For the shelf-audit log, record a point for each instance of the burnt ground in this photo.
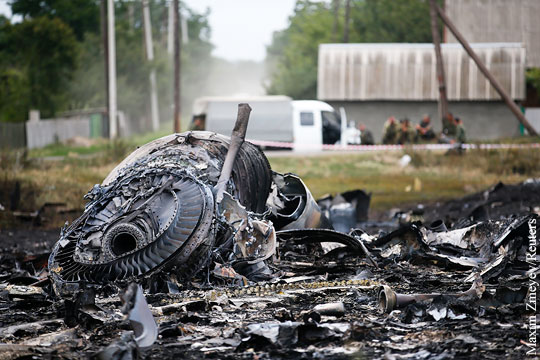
(276, 319)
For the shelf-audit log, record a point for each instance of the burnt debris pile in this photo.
(175, 254)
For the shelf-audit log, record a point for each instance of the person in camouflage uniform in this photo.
(366, 137)
(390, 131)
(460, 131)
(449, 125)
(406, 132)
(197, 123)
(423, 130)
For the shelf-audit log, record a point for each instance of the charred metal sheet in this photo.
(293, 206)
(489, 248)
(496, 203)
(125, 349)
(140, 316)
(310, 236)
(346, 210)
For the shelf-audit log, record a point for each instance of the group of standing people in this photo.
(402, 132)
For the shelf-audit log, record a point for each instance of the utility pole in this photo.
(154, 114)
(335, 13)
(513, 107)
(176, 68)
(113, 129)
(170, 29)
(443, 99)
(131, 16)
(184, 29)
(103, 13)
(347, 16)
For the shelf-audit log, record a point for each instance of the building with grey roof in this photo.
(375, 81)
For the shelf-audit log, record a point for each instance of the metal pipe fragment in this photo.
(438, 226)
(390, 300)
(237, 139)
(333, 309)
(369, 257)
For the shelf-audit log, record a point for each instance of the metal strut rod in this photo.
(237, 139)
(513, 107)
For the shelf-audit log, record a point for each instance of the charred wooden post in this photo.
(443, 100)
(176, 23)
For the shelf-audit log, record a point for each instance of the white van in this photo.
(307, 124)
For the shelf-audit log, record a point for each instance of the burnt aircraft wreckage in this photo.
(179, 202)
(238, 261)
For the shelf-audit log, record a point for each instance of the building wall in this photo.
(482, 120)
(533, 117)
(498, 21)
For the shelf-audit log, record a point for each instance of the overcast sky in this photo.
(241, 29)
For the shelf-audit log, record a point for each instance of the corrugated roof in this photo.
(405, 71)
(425, 45)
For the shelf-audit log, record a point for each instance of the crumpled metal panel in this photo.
(203, 153)
(293, 206)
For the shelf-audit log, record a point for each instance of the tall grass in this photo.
(438, 175)
(431, 175)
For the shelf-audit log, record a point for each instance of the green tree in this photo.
(14, 95)
(391, 21)
(53, 60)
(293, 52)
(81, 16)
(13, 80)
(38, 56)
(88, 86)
(292, 55)
(533, 78)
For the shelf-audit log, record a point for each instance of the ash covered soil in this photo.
(481, 260)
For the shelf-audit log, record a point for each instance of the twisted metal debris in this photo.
(162, 212)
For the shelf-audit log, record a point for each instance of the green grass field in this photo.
(431, 175)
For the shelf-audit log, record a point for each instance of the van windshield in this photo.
(331, 127)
